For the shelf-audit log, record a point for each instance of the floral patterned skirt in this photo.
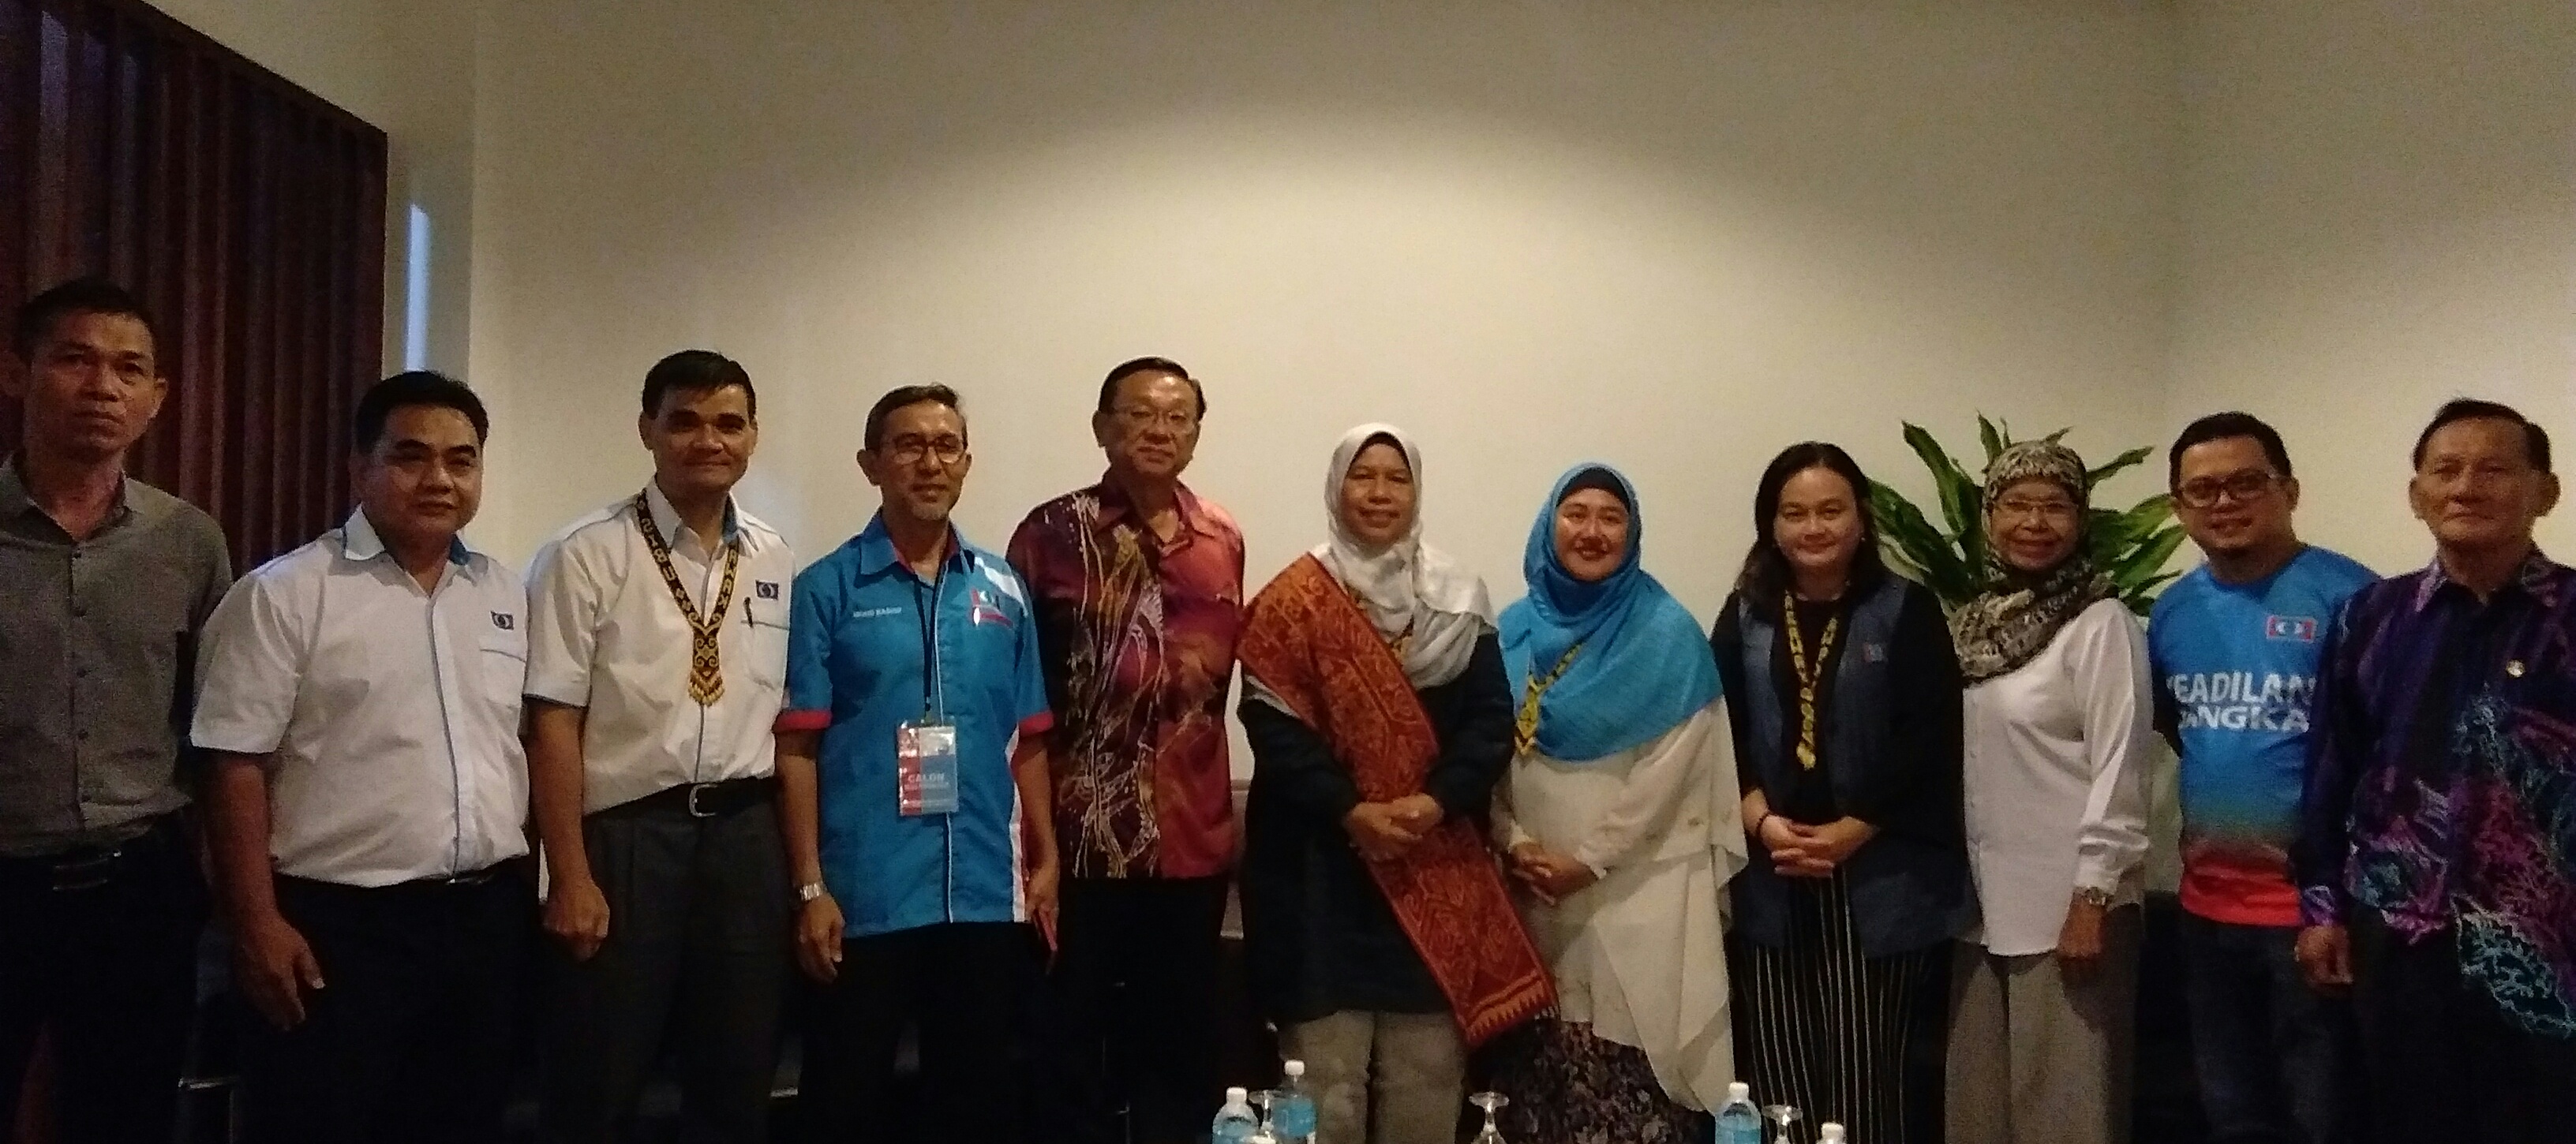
(1569, 1087)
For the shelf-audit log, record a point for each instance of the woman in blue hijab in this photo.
(1622, 824)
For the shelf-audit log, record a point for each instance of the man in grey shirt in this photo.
(107, 581)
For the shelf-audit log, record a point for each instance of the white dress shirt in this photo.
(1639, 955)
(604, 634)
(389, 715)
(2057, 752)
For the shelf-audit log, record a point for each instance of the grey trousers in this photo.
(1382, 1078)
(697, 955)
(2038, 1057)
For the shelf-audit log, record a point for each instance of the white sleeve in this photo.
(1669, 778)
(2107, 656)
(1507, 830)
(250, 663)
(565, 599)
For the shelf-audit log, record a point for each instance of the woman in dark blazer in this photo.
(1845, 701)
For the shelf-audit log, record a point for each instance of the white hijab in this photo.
(1407, 585)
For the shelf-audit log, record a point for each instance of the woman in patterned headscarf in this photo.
(2057, 730)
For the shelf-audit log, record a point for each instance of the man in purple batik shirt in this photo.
(2439, 829)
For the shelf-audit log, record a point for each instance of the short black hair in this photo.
(908, 395)
(1133, 366)
(37, 316)
(2220, 427)
(415, 387)
(696, 371)
(1766, 575)
(2535, 440)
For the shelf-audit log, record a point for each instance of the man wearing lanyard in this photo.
(369, 797)
(657, 648)
(108, 581)
(913, 769)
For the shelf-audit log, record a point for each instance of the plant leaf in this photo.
(1958, 491)
(2124, 460)
(1992, 439)
(1908, 538)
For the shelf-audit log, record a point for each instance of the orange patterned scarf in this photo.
(1310, 645)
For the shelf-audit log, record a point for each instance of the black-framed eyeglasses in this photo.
(2243, 488)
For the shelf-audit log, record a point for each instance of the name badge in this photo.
(925, 769)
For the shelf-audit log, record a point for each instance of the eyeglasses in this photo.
(1138, 418)
(2203, 492)
(2052, 511)
(910, 450)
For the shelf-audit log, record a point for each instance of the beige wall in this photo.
(1674, 235)
(2379, 204)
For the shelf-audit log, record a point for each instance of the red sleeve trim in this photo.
(1036, 725)
(803, 720)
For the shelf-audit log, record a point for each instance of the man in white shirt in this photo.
(657, 643)
(368, 800)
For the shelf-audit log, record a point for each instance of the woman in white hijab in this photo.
(1382, 941)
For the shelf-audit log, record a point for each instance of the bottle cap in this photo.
(1739, 1091)
(1294, 1068)
(1237, 1096)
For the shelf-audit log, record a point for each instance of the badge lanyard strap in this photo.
(931, 705)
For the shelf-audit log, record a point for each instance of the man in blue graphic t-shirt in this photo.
(2235, 647)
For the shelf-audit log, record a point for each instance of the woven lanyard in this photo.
(706, 664)
(1525, 724)
(1810, 674)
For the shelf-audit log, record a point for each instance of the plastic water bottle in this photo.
(1830, 1133)
(1292, 1114)
(1235, 1122)
(1738, 1122)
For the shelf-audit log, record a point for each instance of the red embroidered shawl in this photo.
(1314, 648)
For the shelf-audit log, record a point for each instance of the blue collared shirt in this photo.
(860, 625)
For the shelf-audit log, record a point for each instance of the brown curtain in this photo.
(245, 211)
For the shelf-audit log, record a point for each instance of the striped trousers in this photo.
(1846, 1038)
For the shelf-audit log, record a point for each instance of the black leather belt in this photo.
(709, 800)
(90, 867)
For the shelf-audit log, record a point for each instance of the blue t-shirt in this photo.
(2236, 672)
(855, 641)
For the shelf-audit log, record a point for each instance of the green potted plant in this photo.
(2133, 545)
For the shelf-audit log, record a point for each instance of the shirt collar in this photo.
(2537, 576)
(14, 501)
(667, 519)
(1115, 507)
(359, 541)
(876, 549)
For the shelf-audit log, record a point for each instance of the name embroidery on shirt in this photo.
(875, 613)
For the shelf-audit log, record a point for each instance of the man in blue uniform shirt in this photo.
(912, 764)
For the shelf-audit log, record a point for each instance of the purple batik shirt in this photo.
(2442, 788)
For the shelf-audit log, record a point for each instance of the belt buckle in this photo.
(696, 789)
(86, 873)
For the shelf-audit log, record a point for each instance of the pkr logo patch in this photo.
(984, 607)
(765, 589)
(2297, 629)
(505, 621)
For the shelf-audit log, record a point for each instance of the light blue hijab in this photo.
(1645, 666)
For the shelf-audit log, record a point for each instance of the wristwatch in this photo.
(809, 891)
(2097, 898)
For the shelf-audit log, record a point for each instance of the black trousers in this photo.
(1135, 991)
(697, 954)
(411, 1036)
(959, 983)
(102, 951)
(2439, 1059)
